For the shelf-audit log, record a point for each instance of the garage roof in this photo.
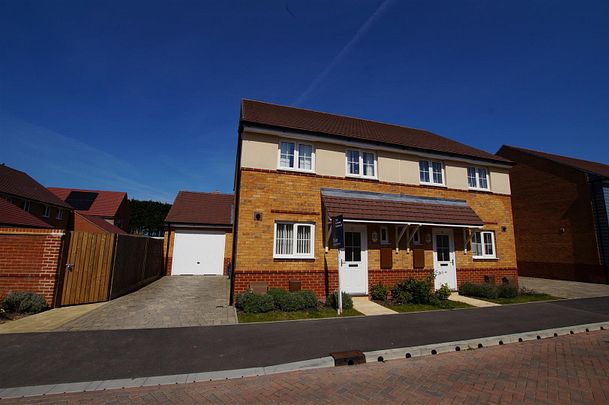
(198, 208)
(11, 215)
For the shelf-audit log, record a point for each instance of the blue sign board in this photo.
(338, 236)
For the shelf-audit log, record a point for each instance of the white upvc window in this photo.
(293, 240)
(431, 172)
(26, 205)
(477, 178)
(296, 156)
(47, 211)
(483, 245)
(361, 164)
(59, 214)
(384, 235)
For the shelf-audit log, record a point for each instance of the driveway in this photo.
(564, 289)
(172, 301)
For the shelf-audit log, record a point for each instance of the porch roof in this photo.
(363, 206)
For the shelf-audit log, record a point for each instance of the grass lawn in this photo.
(271, 316)
(426, 307)
(521, 299)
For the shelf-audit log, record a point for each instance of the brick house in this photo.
(92, 205)
(412, 203)
(198, 234)
(563, 202)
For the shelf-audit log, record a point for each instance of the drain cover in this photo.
(349, 358)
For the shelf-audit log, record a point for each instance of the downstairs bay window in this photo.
(293, 240)
(483, 245)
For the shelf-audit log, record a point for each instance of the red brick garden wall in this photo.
(29, 261)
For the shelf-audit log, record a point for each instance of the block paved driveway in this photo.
(572, 369)
(563, 288)
(172, 301)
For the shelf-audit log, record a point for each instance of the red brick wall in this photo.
(548, 197)
(29, 261)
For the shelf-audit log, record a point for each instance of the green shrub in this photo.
(296, 301)
(332, 300)
(400, 297)
(24, 303)
(255, 303)
(443, 293)
(277, 293)
(420, 291)
(507, 291)
(484, 290)
(379, 292)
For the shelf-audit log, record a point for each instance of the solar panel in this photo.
(81, 200)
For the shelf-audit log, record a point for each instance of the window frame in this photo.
(361, 174)
(386, 240)
(430, 173)
(46, 213)
(477, 172)
(294, 255)
(59, 214)
(27, 206)
(297, 145)
(484, 255)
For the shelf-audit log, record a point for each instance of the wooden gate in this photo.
(88, 268)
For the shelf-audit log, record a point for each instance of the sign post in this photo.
(338, 240)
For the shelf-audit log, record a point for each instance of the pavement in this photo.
(173, 301)
(368, 307)
(571, 369)
(116, 354)
(454, 296)
(49, 320)
(563, 288)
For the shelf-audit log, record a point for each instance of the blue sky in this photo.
(143, 96)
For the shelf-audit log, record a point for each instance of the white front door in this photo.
(198, 252)
(444, 258)
(353, 261)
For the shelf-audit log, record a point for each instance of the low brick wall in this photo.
(29, 261)
(322, 282)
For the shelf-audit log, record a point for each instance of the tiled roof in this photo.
(368, 206)
(12, 215)
(20, 184)
(201, 209)
(273, 115)
(103, 224)
(106, 203)
(587, 166)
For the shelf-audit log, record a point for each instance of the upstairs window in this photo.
(431, 172)
(26, 205)
(361, 164)
(47, 211)
(59, 214)
(293, 240)
(483, 245)
(296, 156)
(477, 178)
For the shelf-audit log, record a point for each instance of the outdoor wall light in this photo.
(503, 228)
(562, 230)
(257, 216)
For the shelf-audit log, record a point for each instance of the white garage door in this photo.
(198, 252)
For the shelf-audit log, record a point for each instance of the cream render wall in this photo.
(259, 151)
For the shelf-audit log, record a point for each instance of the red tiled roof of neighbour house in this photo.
(200, 208)
(103, 224)
(599, 169)
(106, 204)
(20, 184)
(273, 115)
(11, 215)
(367, 206)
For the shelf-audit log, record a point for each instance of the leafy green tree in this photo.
(147, 217)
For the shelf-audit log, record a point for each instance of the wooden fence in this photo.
(99, 267)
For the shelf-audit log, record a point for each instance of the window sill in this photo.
(355, 176)
(287, 169)
(432, 185)
(479, 258)
(291, 259)
(480, 190)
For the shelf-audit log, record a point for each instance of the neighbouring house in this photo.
(561, 210)
(111, 206)
(33, 223)
(412, 203)
(22, 191)
(198, 235)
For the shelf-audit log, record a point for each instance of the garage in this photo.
(198, 234)
(198, 253)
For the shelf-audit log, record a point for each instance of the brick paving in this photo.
(563, 288)
(571, 369)
(173, 301)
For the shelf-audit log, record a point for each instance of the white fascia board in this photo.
(363, 221)
(364, 145)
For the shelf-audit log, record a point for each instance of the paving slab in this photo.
(471, 301)
(367, 307)
(563, 288)
(49, 320)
